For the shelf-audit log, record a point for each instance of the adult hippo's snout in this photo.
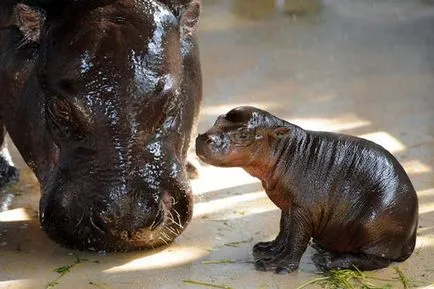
(100, 98)
(135, 219)
(144, 203)
(141, 203)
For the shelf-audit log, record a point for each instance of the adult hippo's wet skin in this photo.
(349, 194)
(100, 98)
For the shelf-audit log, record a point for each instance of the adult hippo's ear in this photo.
(187, 11)
(189, 18)
(29, 21)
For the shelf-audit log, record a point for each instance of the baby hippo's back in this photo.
(363, 199)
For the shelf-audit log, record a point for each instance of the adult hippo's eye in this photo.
(166, 84)
(60, 109)
(159, 87)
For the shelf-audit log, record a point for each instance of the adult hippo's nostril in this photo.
(72, 227)
(139, 211)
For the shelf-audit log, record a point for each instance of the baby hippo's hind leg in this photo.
(8, 173)
(327, 261)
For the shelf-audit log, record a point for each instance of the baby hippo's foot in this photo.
(281, 264)
(317, 247)
(267, 250)
(327, 261)
(323, 260)
(260, 249)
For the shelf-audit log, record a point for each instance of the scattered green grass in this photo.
(356, 279)
(62, 270)
(346, 279)
(227, 261)
(404, 279)
(200, 283)
(236, 244)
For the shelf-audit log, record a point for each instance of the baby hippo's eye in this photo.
(242, 136)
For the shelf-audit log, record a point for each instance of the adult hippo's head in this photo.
(121, 86)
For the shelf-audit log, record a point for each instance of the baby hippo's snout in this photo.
(203, 141)
(207, 146)
(203, 138)
(230, 141)
(210, 139)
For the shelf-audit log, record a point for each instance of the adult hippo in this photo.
(100, 98)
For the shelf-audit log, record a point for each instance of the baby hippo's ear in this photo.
(29, 21)
(279, 132)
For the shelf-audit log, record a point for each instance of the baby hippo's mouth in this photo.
(203, 146)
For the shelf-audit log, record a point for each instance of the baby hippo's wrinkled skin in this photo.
(349, 194)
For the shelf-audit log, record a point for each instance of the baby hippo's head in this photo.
(240, 138)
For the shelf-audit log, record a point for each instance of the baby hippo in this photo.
(348, 194)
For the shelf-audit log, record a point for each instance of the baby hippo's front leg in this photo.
(267, 250)
(287, 259)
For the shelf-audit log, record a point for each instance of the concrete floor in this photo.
(364, 68)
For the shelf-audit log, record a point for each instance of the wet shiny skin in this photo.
(350, 195)
(101, 107)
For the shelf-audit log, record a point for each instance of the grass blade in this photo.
(200, 283)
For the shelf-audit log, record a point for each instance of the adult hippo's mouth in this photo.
(89, 229)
